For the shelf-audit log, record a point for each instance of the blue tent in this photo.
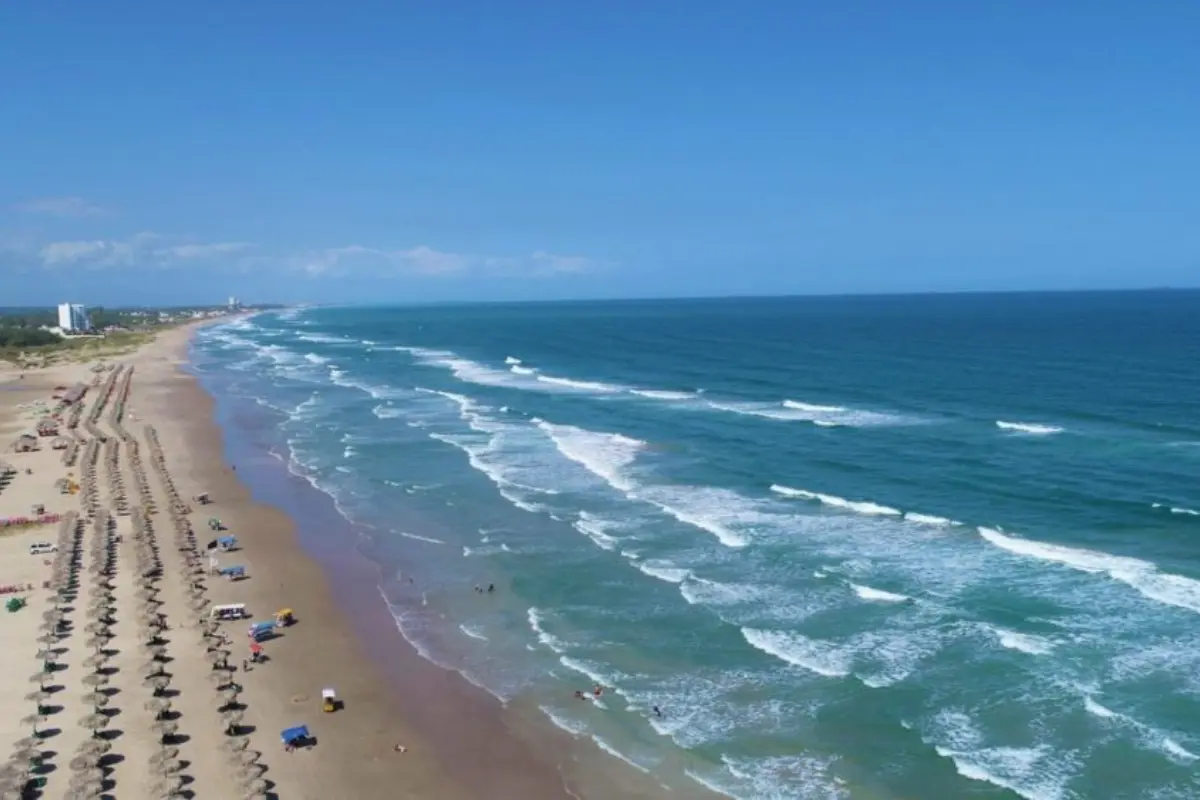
(237, 571)
(227, 542)
(294, 735)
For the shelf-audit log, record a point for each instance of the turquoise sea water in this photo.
(909, 547)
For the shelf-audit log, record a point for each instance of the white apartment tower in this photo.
(73, 318)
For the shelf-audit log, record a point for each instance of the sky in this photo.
(360, 151)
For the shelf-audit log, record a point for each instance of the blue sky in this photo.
(367, 151)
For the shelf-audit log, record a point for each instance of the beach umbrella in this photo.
(230, 695)
(94, 723)
(167, 786)
(246, 757)
(94, 747)
(165, 728)
(95, 661)
(39, 697)
(50, 629)
(46, 655)
(97, 642)
(168, 766)
(85, 791)
(26, 756)
(235, 744)
(163, 754)
(52, 615)
(217, 657)
(82, 763)
(95, 680)
(159, 683)
(47, 639)
(220, 679)
(88, 774)
(254, 785)
(40, 679)
(157, 705)
(95, 699)
(231, 719)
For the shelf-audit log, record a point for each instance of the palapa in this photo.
(85, 791)
(248, 772)
(254, 785)
(167, 786)
(231, 719)
(95, 661)
(165, 728)
(82, 763)
(163, 754)
(168, 766)
(47, 639)
(247, 757)
(52, 615)
(32, 720)
(157, 705)
(94, 722)
(97, 747)
(26, 742)
(39, 697)
(40, 678)
(95, 699)
(235, 744)
(46, 655)
(97, 642)
(87, 775)
(95, 679)
(26, 756)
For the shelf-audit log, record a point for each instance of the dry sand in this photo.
(456, 745)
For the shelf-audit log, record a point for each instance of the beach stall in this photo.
(201, 499)
(261, 630)
(284, 617)
(297, 736)
(234, 573)
(329, 700)
(227, 543)
(47, 427)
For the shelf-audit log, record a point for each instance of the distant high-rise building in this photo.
(73, 318)
(233, 303)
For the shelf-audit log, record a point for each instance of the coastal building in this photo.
(234, 305)
(73, 318)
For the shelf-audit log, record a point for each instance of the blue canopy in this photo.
(262, 627)
(227, 541)
(296, 734)
(234, 570)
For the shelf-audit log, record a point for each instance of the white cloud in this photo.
(425, 260)
(61, 207)
(142, 249)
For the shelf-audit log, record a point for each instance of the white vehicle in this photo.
(231, 611)
(42, 548)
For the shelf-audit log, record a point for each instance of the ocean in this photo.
(878, 547)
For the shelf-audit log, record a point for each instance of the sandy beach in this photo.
(119, 682)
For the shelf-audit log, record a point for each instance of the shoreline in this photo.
(513, 750)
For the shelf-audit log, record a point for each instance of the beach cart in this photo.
(227, 543)
(229, 611)
(261, 630)
(256, 652)
(201, 499)
(235, 573)
(329, 701)
(296, 736)
(284, 617)
(214, 524)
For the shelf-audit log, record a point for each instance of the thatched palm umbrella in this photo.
(168, 766)
(248, 772)
(255, 786)
(167, 787)
(246, 757)
(81, 763)
(165, 728)
(95, 680)
(88, 774)
(52, 615)
(26, 756)
(232, 720)
(86, 791)
(217, 658)
(39, 697)
(49, 629)
(97, 642)
(235, 744)
(94, 747)
(95, 661)
(96, 700)
(230, 696)
(47, 639)
(46, 655)
(163, 754)
(157, 706)
(40, 679)
(94, 723)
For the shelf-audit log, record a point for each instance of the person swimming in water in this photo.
(657, 711)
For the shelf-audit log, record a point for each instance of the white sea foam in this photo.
(511, 360)
(1098, 710)
(1027, 428)
(1023, 642)
(517, 369)
(1163, 587)
(928, 519)
(857, 506)
(594, 528)
(419, 538)
(603, 454)
(536, 622)
(824, 416)
(662, 394)
(1150, 736)
(799, 651)
(316, 359)
(471, 632)
(663, 570)
(586, 386)
(1191, 512)
(878, 595)
(1034, 773)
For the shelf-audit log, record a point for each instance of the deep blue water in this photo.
(943, 546)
